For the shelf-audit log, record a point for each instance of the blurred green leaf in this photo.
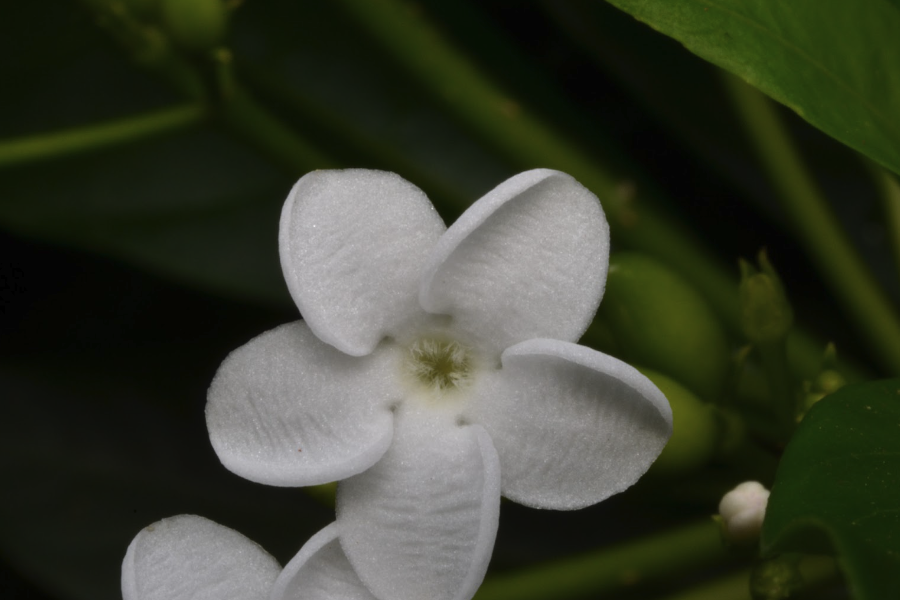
(838, 488)
(197, 207)
(338, 86)
(837, 64)
(201, 207)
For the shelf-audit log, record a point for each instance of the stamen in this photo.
(442, 365)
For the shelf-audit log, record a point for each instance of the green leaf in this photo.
(836, 63)
(838, 489)
(197, 207)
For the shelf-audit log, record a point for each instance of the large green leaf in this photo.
(838, 488)
(836, 63)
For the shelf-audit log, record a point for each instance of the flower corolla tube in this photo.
(436, 369)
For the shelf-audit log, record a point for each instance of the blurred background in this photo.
(128, 272)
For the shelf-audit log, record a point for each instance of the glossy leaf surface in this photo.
(837, 488)
(837, 64)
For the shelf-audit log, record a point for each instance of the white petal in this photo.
(421, 523)
(287, 409)
(191, 558)
(320, 571)
(353, 245)
(527, 260)
(572, 426)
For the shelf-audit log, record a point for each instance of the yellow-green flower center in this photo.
(440, 364)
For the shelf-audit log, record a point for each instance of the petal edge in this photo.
(572, 426)
(353, 244)
(192, 558)
(320, 571)
(416, 525)
(533, 251)
(287, 409)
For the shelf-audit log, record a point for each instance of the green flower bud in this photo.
(766, 314)
(694, 429)
(829, 381)
(195, 24)
(660, 321)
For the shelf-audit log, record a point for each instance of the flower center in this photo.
(440, 364)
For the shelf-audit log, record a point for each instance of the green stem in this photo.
(507, 126)
(734, 586)
(781, 388)
(212, 82)
(504, 124)
(245, 117)
(830, 250)
(347, 140)
(814, 570)
(99, 136)
(611, 569)
(889, 190)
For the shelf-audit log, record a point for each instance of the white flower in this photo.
(192, 558)
(743, 510)
(434, 370)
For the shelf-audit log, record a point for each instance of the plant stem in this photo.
(245, 117)
(611, 569)
(889, 190)
(346, 139)
(99, 136)
(818, 229)
(213, 83)
(734, 586)
(507, 126)
(781, 388)
(248, 119)
(504, 124)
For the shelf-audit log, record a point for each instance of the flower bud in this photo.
(827, 382)
(766, 314)
(743, 510)
(195, 24)
(694, 429)
(660, 321)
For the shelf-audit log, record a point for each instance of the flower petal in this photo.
(192, 558)
(287, 409)
(320, 571)
(572, 426)
(527, 260)
(421, 523)
(353, 245)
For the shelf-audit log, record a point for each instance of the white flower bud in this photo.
(743, 510)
